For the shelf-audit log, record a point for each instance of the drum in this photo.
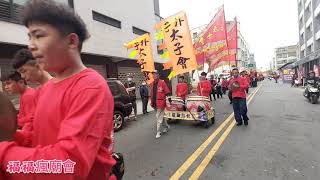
(194, 102)
(176, 104)
(8, 118)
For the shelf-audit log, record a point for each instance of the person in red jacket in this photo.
(238, 86)
(204, 86)
(73, 120)
(224, 85)
(182, 88)
(158, 92)
(14, 84)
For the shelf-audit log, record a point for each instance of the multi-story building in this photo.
(284, 55)
(309, 34)
(252, 63)
(111, 24)
(243, 53)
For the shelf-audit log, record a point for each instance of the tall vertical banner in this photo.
(177, 40)
(232, 37)
(215, 38)
(142, 50)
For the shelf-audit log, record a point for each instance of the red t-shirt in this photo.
(182, 90)
(243, 85)
(73, 120)
(204, 88)
(26, 111)
(25, 117)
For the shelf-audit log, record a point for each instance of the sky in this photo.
(265, 24)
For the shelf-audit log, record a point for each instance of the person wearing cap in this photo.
(204, 86)
(182, 88)
(158, 92)
(131, 89)
(238, 86)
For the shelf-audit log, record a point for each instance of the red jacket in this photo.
(241, 91)
(162, 91)
(182, 90)
(204, 88)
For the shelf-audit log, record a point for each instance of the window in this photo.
(292, 54)
(138, 31)
(10, 9)
(106, 20)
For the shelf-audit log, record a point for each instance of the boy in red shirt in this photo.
(238, 86)
(182, 88)
(204, 86)
(30, 71)
(14, 84)
(73, 119)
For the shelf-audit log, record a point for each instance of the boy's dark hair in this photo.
(14, 76)
(203, 74)
(57, 15)
(22, 57)
(181, 77)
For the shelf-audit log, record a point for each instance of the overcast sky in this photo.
(265, 24)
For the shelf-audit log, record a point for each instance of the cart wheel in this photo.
(213, 120)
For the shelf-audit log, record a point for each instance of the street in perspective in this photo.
(159, 89)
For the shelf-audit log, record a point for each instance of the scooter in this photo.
(312, 91)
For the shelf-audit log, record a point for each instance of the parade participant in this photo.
(14, 84)
(30, 71)
(27, 66)
(204, 86)
(73, 120)
(238, 86)
(158, 91)
(182, 88)
(144, 94)
(219, 89)
(213, 88)
(131, 89)
(224, 85)
(229, 92)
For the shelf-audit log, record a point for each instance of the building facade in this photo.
(111, 24)
(284, 55)
(309, 35)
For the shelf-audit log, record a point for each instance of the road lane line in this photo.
(197, 173)
(185, 166)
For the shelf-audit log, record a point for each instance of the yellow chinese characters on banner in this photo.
(177, 40)
(141, 49)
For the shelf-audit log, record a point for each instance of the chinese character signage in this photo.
(142, 50)
(177, 40)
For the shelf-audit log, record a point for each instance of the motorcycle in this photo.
(312, 91)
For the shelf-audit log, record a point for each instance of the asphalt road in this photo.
(281, 142)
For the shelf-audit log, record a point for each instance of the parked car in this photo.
(122, 104)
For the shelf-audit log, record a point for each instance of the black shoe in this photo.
(245, 122)
(239, 124)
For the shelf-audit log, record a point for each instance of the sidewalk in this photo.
(139, 107)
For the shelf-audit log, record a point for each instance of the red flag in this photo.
(232, 35)
(215, 37)
(212, 44)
